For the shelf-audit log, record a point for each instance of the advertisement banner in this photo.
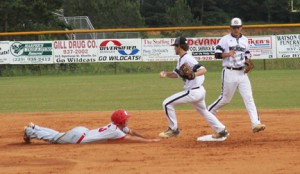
(75, 51)
(203, 48)
(261, 47)
(159, 49)
(4, 52)
(34, 52)
(288, 46)
(119, 50)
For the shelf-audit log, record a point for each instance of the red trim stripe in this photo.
(80, 139)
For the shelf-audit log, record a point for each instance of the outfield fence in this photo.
(60, 51)
(137, 50)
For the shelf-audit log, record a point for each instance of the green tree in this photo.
(257, 11)
(208, 11)
(107, 13)
(181, 15)
(280, 11)
(28, 15)
(154, 12)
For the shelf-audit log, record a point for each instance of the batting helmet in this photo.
(119, 117)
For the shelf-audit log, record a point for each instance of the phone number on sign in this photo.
(84, 51)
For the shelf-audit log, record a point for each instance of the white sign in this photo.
(288, 46)
(75, 51)
(4, 52)
(119, 50)
(261, 47)
(203, 48)
(159, 49)
(34, 52)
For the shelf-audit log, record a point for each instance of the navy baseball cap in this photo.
(180, 41)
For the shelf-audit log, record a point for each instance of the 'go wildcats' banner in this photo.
(82, 51)
(121, 50)
(75, 51)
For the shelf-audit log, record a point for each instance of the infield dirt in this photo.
(275, 150)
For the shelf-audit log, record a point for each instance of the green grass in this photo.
(271, 89)
(101, 68)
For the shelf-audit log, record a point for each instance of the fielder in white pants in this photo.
(233, 80)
(233, 49)
(193, 93)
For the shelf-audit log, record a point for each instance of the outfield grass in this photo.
(101, 68)
(272, 90)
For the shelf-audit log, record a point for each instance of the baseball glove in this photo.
(249, 65)
(186, 72)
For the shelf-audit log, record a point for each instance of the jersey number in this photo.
(103, 128)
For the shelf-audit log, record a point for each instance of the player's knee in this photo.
(168, 106)
(165, 102)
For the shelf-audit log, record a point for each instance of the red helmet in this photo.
(119, 117)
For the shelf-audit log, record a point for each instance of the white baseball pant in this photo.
(233, 80)
(197, 98)
(70, 137)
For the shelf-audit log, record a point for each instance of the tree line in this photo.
(28, 15)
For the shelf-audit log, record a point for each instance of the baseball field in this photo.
(64, 102)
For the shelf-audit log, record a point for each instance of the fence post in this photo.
(115, 68)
